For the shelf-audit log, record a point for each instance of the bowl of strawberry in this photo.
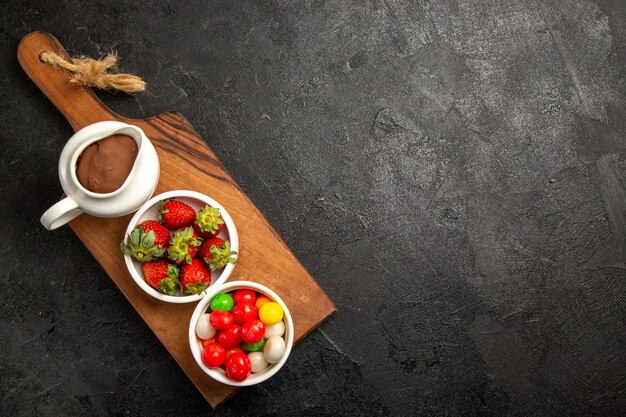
(178, 244)
(241, 333)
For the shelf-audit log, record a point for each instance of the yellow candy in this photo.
(261, 300)
(271, 313)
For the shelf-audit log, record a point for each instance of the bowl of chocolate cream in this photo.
(107, 169)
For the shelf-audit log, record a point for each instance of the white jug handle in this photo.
(61, 213)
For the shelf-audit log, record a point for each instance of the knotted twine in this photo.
(89, 72)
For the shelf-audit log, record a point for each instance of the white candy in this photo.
(274, 349)
(204, 330)
(277, 329)
(257, 361)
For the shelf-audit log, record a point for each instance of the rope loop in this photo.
(89, 72)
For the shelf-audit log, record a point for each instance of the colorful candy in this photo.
(222, 302)
(257, 362)
(213, 355)
(221, 320)
(261, 300)
(274, 349)
(253, 347)
(244, 312)
(204, 330)
(243, 332)
(277, 329)
(233, 350)
(244, 297)
(238, 366)
(231, 337)
(252, 331)
(271, 313)
(207, 341)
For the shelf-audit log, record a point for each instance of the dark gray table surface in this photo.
(452, 172)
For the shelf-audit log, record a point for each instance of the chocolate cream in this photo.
(104, 165)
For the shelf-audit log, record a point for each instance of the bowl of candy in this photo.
(241, 333)
(179, 244)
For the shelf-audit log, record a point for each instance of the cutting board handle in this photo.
(70, 99)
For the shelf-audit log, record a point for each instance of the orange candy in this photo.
(261, 300)
(207, 341)
(233, 350)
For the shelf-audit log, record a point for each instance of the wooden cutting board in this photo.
(186, 163)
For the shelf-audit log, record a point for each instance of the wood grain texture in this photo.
(186, 163)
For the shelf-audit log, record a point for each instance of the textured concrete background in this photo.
(452, 172)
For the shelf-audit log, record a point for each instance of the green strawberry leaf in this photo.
(169, 286)
(173, 271)
(196, 288)
(221, 256)
(180, 244)
(208, 219)
(140, 246)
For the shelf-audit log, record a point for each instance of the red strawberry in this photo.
(209, 222)
(162, 276)
(147, 241)
(216, 253)
(175, 214)
(194, 277)
(161, 235)
(204, 251)
(183, 245)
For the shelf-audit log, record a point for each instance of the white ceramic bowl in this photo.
(149, 211)
(196, 345)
